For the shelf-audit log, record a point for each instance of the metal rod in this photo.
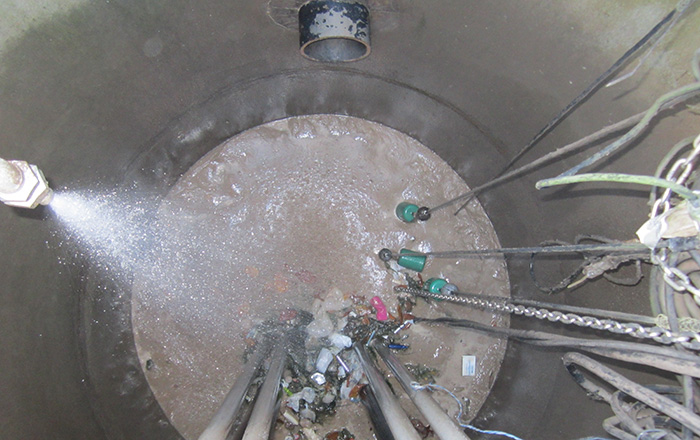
(241, 422)
(381, 427)
(264, 411)
(443, 425)
(396, 418)
(628, 247)
(220, 425)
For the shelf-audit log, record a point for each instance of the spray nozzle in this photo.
(23, 185)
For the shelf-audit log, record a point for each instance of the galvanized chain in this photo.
(674, 277)
(685, 165)
(679, 173)
(688, 340)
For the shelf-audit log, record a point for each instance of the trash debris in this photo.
(308, 394)
(291, 418)
(340, 341)
(379, 306)
(318, 378)
(421, 373)
(468, 365)
(343, 434)
(311, 434)
(306, 413)
(324, 359)
(423, 430)
(325, 373)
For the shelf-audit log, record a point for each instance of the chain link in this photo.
(688, 340)
(679, 173)
(687, 164)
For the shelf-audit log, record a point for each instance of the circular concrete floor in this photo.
(286, 215)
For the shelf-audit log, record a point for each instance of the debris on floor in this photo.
(326, 373)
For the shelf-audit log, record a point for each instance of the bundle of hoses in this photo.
(637, 408)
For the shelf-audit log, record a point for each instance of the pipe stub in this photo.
(334, 31)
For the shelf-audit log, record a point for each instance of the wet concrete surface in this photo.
(280, 217)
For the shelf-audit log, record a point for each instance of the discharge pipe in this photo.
(265, 409)
(440, 422)
(23, 185)
(396, 418)
(222, 422)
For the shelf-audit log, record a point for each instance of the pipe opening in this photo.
(335, 49)
(334, 31)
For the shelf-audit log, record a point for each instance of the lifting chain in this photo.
(679, 173)
(688, 340)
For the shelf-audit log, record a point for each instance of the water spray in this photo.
(23, 185)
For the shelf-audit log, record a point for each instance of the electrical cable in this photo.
(689, 339)
(681, 7)
(567, 179)
(589, 90)
(610, 425)
(677, 244)
(654, 434)
(632, 134)
(624, 418)
(643, 354)
(591, 267)
(685, 380)
(628, 281)
(503, 176)
(547, 158)
(623, 247)
(650, 395)
(553, 156)
(593, 438)
(630, 416)
(687, 309)
(564, 283)
(573, 362)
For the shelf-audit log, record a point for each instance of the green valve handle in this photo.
(409, 212)
(406, 212)
(435, 285)
(439, 285)
(410, 260)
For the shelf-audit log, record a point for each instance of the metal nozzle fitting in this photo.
(23, 185)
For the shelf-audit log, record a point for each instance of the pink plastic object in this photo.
(379, 306)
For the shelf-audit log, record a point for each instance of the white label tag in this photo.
(468, 365)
